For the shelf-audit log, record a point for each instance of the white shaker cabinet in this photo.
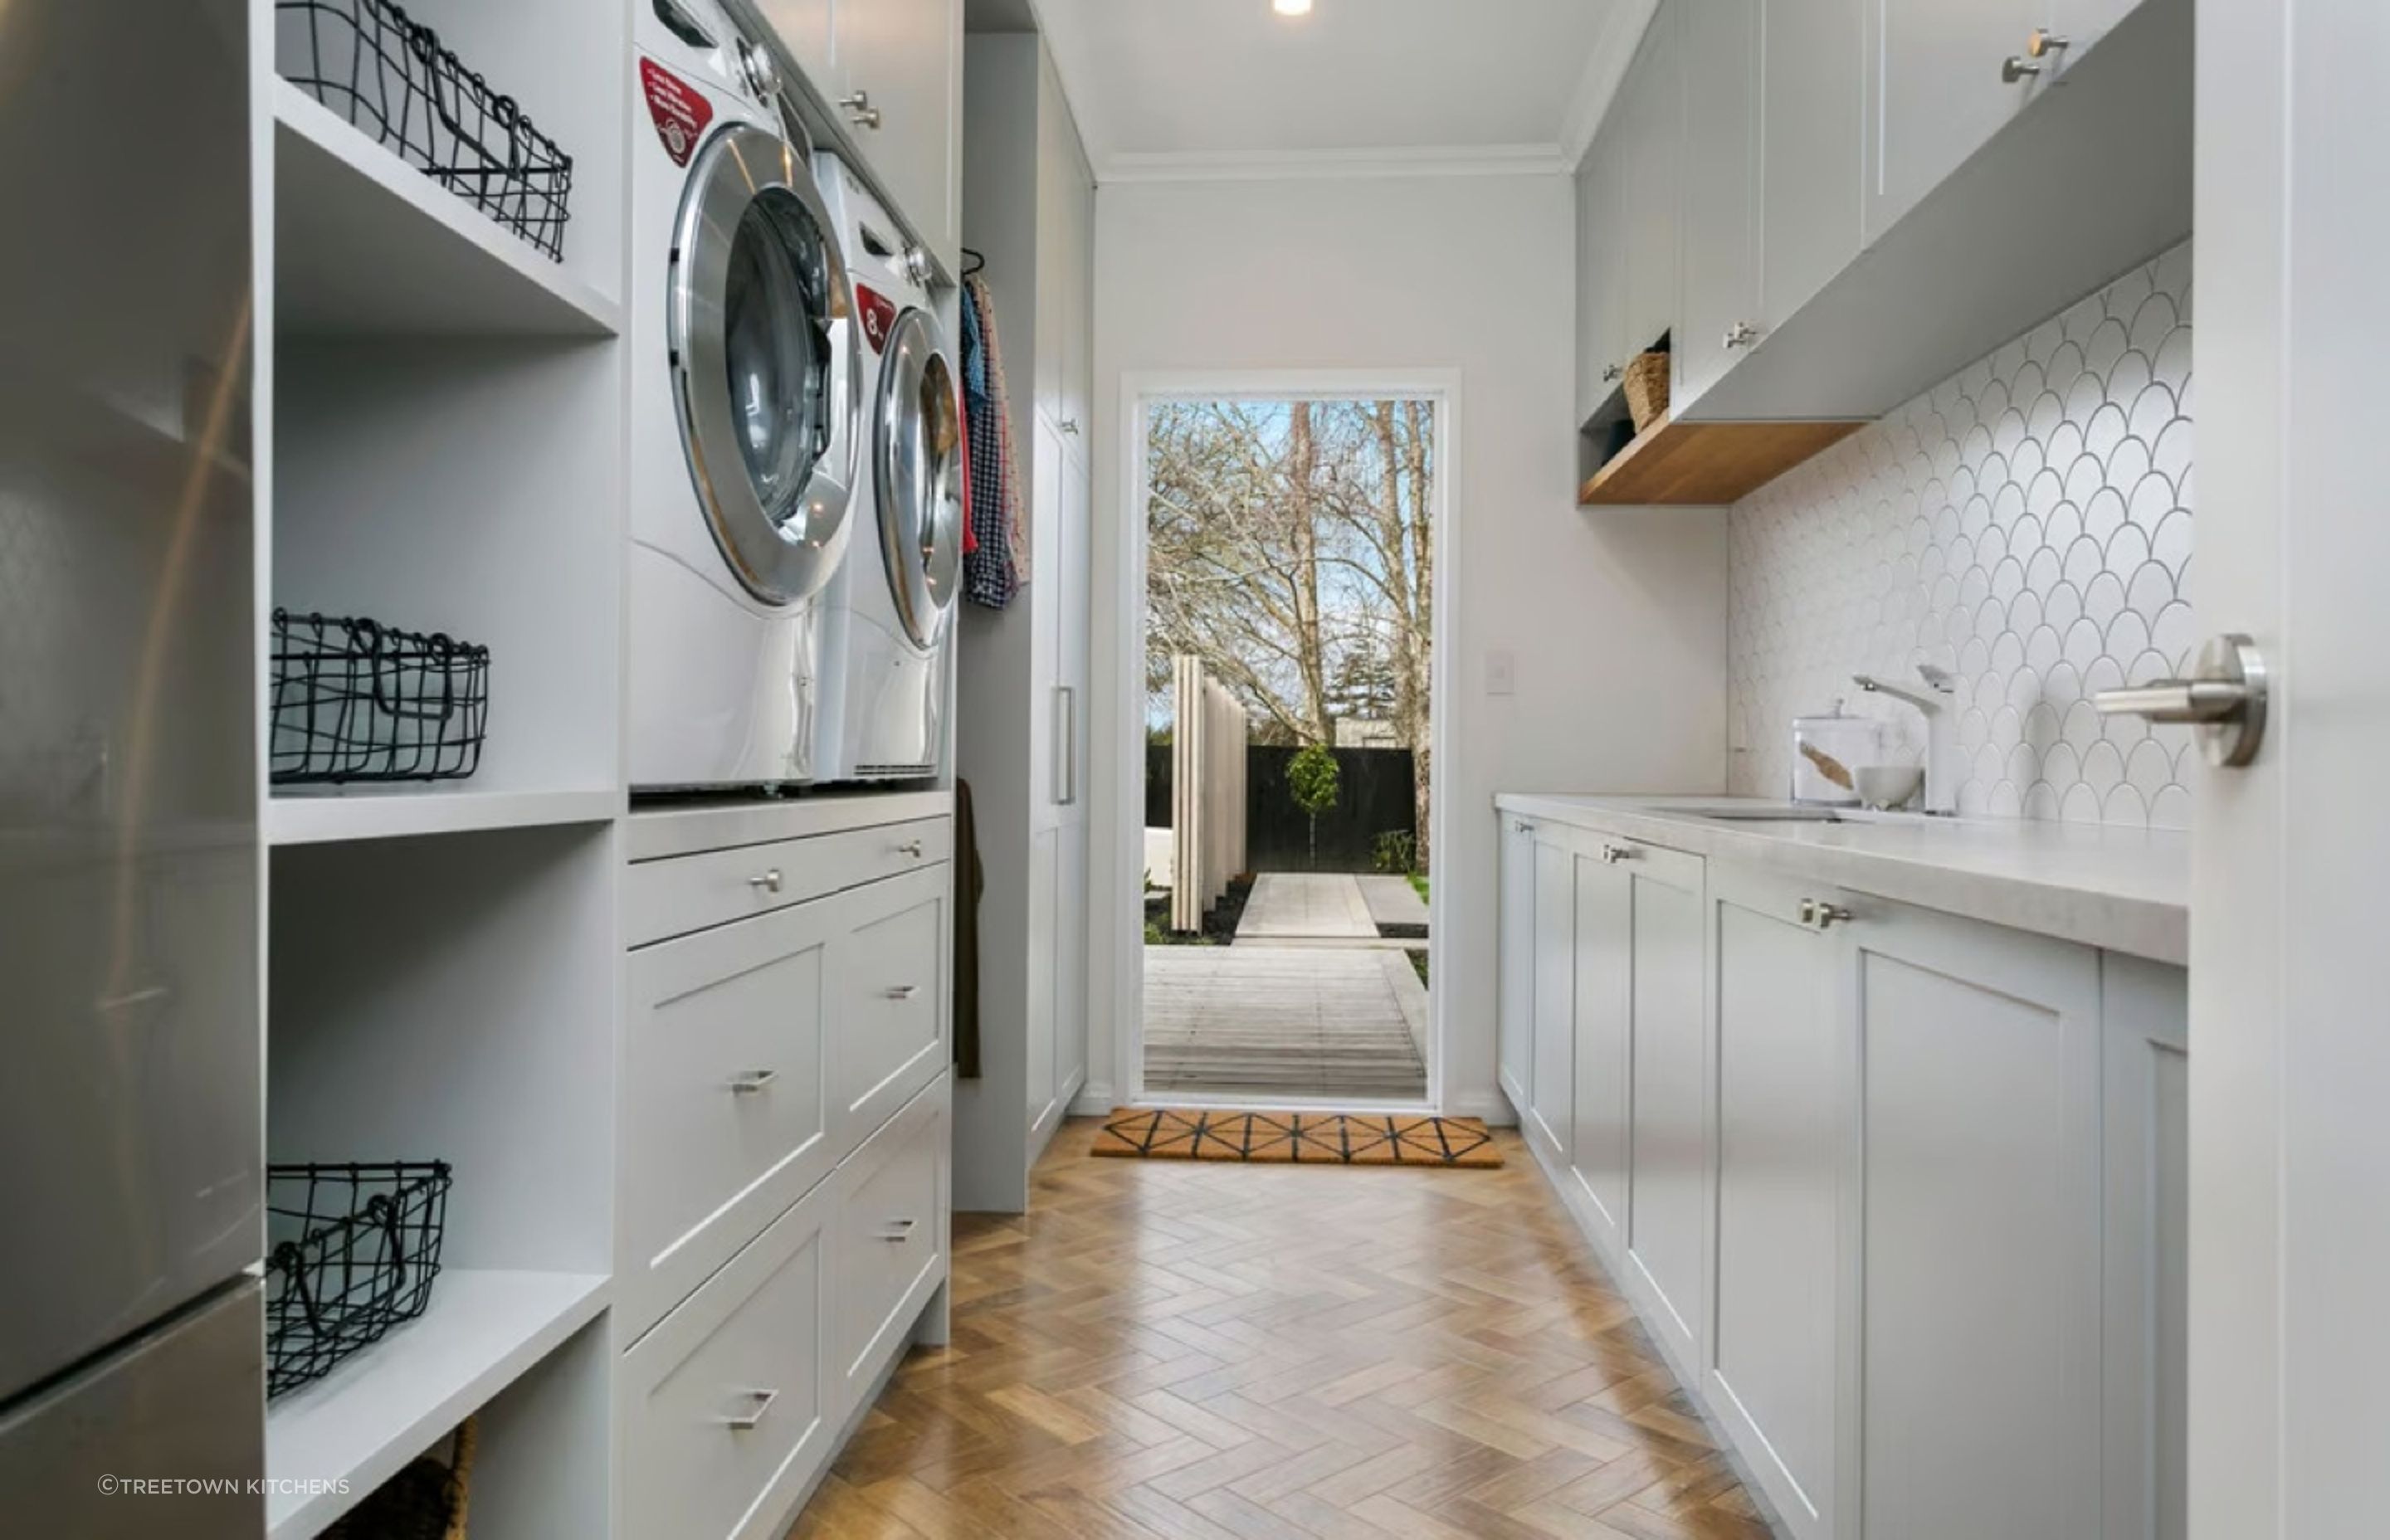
(1977, 1180)
(1601, 347)
(1810, 149)
(1548, 1116)
(1936, 91)
(808, 28)
(898, 68)
(1651, 129)
(1668, 1199)
(1604, 990)
(1515, 1005)
(1773, 1368)
(1719, 44)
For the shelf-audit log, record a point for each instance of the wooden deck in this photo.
(1256, 1021)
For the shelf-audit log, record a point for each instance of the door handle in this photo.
(904, 991)
(748, 1420)
(1066, 746)
(1612, 854)
(1818, 915)
(2224, 700)
(746, 1082)
(911, 848)
(898, 1230)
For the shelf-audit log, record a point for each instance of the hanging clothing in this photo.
(994, 570)
(970, 886)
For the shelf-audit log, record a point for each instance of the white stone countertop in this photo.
(2122, 890)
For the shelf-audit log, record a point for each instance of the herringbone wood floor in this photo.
(1191, 1351)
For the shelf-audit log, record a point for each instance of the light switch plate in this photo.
(1501, 672)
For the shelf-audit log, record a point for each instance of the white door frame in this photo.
(1120, 932)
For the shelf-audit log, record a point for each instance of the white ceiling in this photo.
(1192, 88)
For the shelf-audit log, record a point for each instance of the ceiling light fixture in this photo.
(1292, 7)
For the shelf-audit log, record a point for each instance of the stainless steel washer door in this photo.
(921, 480)
(766, 367)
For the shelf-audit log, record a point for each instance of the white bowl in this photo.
(1888, 786)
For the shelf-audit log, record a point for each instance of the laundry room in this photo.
(793, 769)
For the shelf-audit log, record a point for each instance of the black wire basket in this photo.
(355, 700)
(388, 75)
(351, 1250)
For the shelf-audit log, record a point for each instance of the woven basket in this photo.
(1647, 389)
(427, 1500)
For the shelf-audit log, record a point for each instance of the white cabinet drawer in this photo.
(725, 1111)
(890, 1036)
(724, 1417)
(676, 895)
(889, 1252)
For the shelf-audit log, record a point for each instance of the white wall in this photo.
(1616, 620)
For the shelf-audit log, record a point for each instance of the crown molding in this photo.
(1604, 70)
(1290, 165)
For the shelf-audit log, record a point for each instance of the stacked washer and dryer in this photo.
(796, 445)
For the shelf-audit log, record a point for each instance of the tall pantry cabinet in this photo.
(1029, 211)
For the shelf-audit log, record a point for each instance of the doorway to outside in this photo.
(1290, 560)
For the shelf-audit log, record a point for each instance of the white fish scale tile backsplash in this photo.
(2025, 524)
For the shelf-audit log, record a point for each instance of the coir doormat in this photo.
(1325, 1138)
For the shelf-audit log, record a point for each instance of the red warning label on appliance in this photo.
(879, 315)
(680, 111)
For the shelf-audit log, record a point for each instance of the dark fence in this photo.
(1376, 791)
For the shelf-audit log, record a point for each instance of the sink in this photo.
(1774, 814)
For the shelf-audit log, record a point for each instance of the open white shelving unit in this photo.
(375, 1413)
(441, 437)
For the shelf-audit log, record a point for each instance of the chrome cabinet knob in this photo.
(2014, 69)
(2044, 43)
(1742, 334)
(859, 110)
(912, 848)
(768, 882)
(1808, 911)
(1831, 915)
(1612, 854)
(2224, 700)
(746, 1082)
(1071, 426)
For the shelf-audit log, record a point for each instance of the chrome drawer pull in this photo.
(913, 848)
(748, 1420)
(768, 882)
(904, 991)
(903, 1230)
(1615, 853)
(746, 1082)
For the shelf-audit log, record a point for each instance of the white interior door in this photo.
(2290, 1149)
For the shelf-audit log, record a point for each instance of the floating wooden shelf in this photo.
(1705, 463)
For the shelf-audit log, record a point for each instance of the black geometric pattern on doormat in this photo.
(1306, 1138)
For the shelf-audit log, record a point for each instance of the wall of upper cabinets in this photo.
(890, 72)
(1820, 207)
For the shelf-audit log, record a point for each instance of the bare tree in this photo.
(1289, 545)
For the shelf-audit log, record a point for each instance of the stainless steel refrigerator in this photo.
(131, 1050)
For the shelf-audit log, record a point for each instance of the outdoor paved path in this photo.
(1315, 905)
(1266, 1021)
(1392, 900)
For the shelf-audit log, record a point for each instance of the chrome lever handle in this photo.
(748, 1420)
(2224, 700)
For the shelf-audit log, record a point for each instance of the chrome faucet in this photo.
(1941, 746)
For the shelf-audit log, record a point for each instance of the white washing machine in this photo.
(892, 602)
(746, 420)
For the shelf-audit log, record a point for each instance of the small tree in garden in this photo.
(1315, 783)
